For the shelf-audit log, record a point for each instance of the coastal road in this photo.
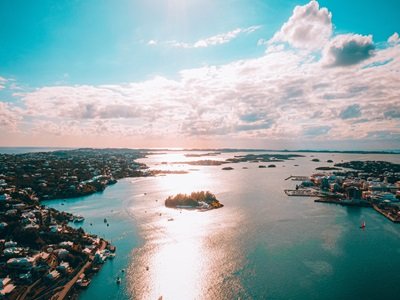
(63, 293)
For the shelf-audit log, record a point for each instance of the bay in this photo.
(260, 245)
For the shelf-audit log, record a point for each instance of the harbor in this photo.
(367, 184)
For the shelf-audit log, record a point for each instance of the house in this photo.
(61, 253)
(53, 275)
(10, 244)
(6, 287)
(21, 263)
(67, 244)
(63, 267)
(13, 251)
(4, 197)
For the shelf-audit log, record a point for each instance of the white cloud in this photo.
(309, 27)
(9, 117)
(223, 38)
(2, 82)
(286, 94)
(219, 39)
(394, 38)
(282, 94)
(348, 49)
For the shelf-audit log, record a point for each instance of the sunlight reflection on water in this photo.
(181, 257)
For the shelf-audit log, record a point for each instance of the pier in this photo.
(303, 193)
(298, 178)
(387, 214)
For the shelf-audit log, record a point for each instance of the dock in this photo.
(387, 214)
(298, 178)
(303, 193)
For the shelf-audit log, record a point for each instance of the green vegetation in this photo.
(201, 199)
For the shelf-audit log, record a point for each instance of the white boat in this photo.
(78, 219)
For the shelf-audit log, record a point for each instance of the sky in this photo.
(273, 74)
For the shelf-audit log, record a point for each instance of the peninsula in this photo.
(373, 184)
(41, 256)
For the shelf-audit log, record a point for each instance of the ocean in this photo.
(261, 245)
(22, 150)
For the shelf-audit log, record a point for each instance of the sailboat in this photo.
(362, 225)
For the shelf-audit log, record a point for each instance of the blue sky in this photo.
(94, 41)
(121, 47)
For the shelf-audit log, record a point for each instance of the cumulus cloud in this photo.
(284, 94)
(281, 94)
(348, 49)
(309, 27)
(278, 95)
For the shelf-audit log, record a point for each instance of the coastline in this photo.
(24, 190)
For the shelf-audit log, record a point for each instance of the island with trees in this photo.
(196, 200)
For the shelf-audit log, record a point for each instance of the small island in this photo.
(227, 168)
(196, 200)
(327, 168)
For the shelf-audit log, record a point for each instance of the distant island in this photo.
(202, 154)
(199, 200)
(253, 158)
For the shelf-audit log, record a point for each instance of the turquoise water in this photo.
(261, 245)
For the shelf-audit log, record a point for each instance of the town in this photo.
(41, 256)
(373, 184)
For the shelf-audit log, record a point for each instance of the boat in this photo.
(105, 220)
(111, 255)
(83, 283)
(362, 225)
(78, 219)
(118, 280)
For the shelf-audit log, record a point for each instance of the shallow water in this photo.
(261, 245)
